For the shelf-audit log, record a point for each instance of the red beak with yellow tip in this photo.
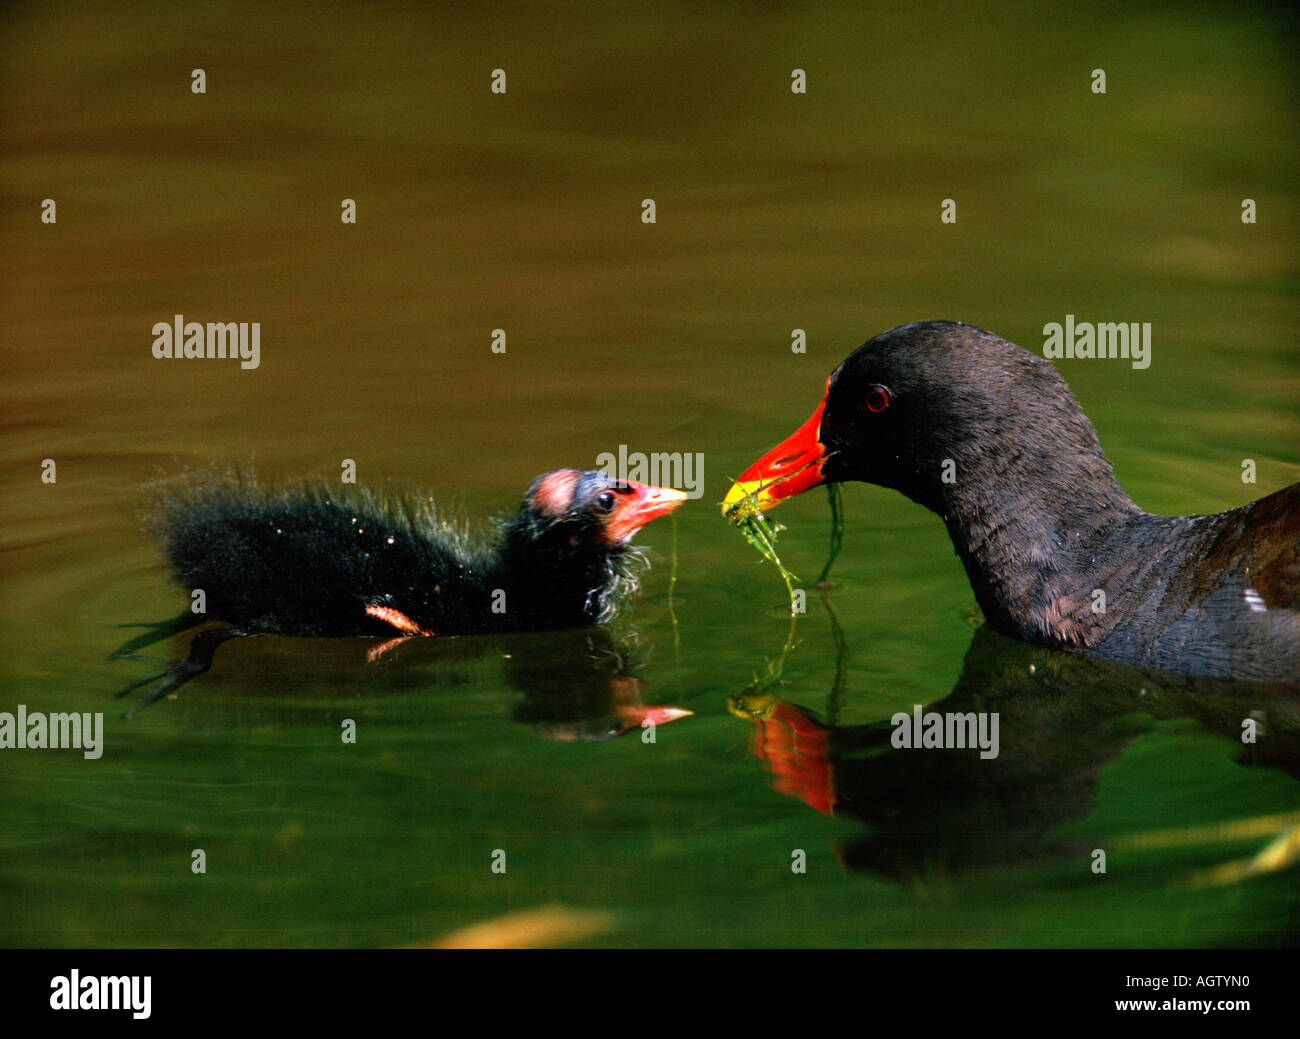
(790, 468)
(638, 507)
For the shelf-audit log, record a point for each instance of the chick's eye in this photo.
(604, 501)
(877, 398)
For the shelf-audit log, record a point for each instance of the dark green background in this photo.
(522, 211)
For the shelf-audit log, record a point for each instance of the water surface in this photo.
(775, 211)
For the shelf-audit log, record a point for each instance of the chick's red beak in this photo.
(639, 506)
(790, 468)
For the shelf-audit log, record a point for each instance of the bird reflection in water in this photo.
(587, 693)
(1063, 718)
(575, 685)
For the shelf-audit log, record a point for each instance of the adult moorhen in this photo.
(989, 436)
(315, 564)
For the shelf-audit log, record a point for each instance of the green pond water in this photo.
(522, 211)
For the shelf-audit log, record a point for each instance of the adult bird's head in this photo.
(948, 414)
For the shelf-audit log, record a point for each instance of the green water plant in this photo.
(762, 533)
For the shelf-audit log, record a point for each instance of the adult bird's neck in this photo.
(1043, 542)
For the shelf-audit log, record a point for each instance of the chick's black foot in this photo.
(177, 672)
(155, 633)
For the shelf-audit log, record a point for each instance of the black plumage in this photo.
(319, 562)
(988, 435)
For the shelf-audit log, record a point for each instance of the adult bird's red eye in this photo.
(877, 398)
